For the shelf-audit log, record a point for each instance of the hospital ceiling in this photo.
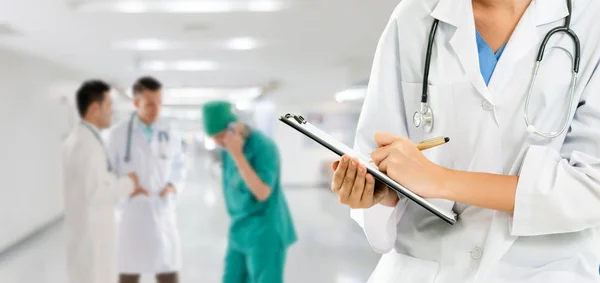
(309, 48)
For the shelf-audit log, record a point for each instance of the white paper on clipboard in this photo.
(300, 124)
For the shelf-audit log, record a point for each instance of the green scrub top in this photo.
(255, 224)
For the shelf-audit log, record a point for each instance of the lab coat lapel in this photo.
(521, 42)
(463, 42)
(525, 38)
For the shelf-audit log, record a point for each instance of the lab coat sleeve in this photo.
(560, 192)
(106, 188)
(383, 110)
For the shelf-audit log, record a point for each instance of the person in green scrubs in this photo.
(261, 225)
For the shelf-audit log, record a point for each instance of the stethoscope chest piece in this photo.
(424, 120)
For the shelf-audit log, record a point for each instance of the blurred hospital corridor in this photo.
(331, 247)
(293, 141)
(100, 99)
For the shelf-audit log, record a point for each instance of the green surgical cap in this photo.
(216, 116)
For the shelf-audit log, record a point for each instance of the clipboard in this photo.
(301, 125)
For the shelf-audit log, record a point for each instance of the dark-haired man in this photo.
(91, 190)
(148, 236)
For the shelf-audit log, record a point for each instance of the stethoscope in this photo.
(423, 117)
(163, 137)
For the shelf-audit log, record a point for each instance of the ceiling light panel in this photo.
(148, 44)
(181, 6)
(242, 43)
(199, 96)
(153, 44)
(191, 66)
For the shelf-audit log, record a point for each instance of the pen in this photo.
(433, 142)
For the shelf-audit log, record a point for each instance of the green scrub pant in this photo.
(254, 267)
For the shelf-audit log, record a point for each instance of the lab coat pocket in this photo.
(399, 268)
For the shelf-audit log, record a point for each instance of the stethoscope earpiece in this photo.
(531, 129)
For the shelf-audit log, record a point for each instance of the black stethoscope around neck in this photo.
(423, 117)
(162, 137)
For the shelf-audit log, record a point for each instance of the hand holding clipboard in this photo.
(300, 124)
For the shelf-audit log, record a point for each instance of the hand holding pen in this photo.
(403, 161)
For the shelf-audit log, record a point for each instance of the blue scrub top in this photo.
(487, 58)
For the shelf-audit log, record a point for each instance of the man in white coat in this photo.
(148, 234)
(91, 191)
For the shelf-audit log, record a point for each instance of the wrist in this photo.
(445, 178)
(236, 154)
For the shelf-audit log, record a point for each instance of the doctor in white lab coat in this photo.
(528, 207)
(91, 191)
(148, 236)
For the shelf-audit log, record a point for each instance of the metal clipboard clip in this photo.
(298, 118)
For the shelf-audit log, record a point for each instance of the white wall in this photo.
(300, 165)
(33, 123)
(303, 160)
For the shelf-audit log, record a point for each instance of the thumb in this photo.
(384, 138)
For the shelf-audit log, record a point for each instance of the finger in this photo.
(339, 174)
(348, 182)
(380, 154)
(335, 165)
(359, 186)
(367, 196)
(384, 138)
(383, 165)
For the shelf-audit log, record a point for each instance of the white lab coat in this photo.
(148, 235)
(553, 235)
(91, 193)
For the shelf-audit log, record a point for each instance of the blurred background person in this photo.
(267, 58)
(92, 189)
(148, 237)
(261, 226)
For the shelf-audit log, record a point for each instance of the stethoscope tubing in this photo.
(162, 136)
(424, 115)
